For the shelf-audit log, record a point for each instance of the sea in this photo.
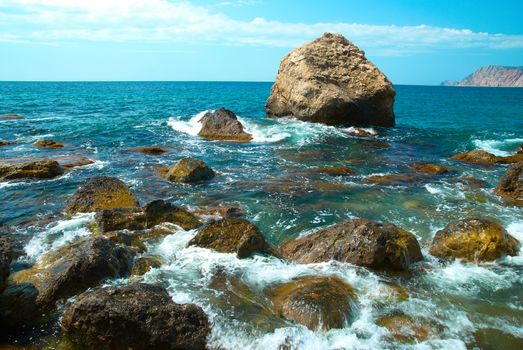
(456, 305)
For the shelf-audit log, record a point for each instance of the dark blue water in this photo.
(268, 178)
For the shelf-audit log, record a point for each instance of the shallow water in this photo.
(461, 304)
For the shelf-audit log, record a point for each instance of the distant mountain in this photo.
(491, 76)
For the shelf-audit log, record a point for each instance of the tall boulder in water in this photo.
(330, 81)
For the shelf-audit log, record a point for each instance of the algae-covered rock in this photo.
(160, 211)
(360, 242)
(511, 184)
(120, 218)
(189, 170)
(232, 235)
(316, 302)
(137, 316)
(223, 124)
(29, 169)
(100, 193)
(476, 157)
(473, 240)
(48, 144)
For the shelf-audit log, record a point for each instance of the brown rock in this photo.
(11, 116)
(190, 170)
(360, 242)
(511, 184)
(515, 158)
(144, 264)
(391, 180)
(48, 144)
(476, 157)
(473, 240)
(100, 193)
(430, 169)
(316, 302)
(222, 212)
(137, 316)
(69, 162)
(330, 81)
(223, 124)
(116, 219)
(472, 183)
(160, 211)
(5, 263)
(6, 143)
(404, 328)
(29, 169)
(336, 171)
(18, 306)
(232, 235)
(152, 150)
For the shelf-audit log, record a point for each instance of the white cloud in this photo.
(53, 21)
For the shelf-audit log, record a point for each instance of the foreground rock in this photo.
(30, 169)
(330, 81)
(137, 316)
(316, 302)
(152, 150)
(11, 116)
(48, 144)
(152, 214)
(18, 306)
(232, 235)
(72, 269)
(223, 124)
(100, 193)
(189, 170)
(5, 263)
(360, 242)
(473, 240)
(511, 184)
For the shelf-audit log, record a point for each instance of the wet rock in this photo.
(30, 169)
(476, 157)
(232, 235)
(330, 81)
(520, 149)
(18, 305)
(6, 143)
(335, 171)
(404, 328)
(151, 150)
(471, 183)
(137, 316)
(48, 144)
(221, 212)
(69, 162)
(120, 218)
(316, 302)
(189, 170)
(11, 116)
(360, 242)
(74, 268)
(511, 184)
(495, 339)
(161, 211)
(429, 169)
(391, 180)
(223, 124)
(5, 263)
(473, 240)
(515, 158)
(100, 193)
(144, 264)
(360, 132)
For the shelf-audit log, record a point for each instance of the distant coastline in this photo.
(491, 76)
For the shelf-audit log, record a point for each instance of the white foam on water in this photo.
(191, 126)
(58, 235)
(355, 131)
(432, 189)
(496, 146)
(516, 229)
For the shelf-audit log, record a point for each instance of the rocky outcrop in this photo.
(232, 235)
(5, 263)
(495, 76)
(74, 268)
(100, 193)
(330, 81)
(511, 184)
(189, 170)
(316, 302)
(223, 124)
(30, 169)
(137, 316)
(151, 150)
(48, 144)
(360, 242)
(473, 240)
(485, 158)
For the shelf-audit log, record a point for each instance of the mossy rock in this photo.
(190, 170)
(30, 169)
(476, 157)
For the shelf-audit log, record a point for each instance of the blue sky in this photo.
(413, 42)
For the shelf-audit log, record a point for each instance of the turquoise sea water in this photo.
(465, 305)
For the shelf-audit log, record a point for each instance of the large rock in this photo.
(360, 242)
(100, 193)
(232, 235)
(74, 268)
(223, 124)
(189, 170)
(137, 316)
(316, 302)
(5, 263)
(473, 240)
(30, 169)
(330, 81)
(511, 184)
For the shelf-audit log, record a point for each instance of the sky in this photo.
(411, 41)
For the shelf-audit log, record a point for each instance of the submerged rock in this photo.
(316, 302)
(223, 124)
(137, 316)
(5, 263)
(391, 180)
(48, 144)
(404, 328)
(330, 81)
(511, 184)
(74, 268)
(69, 162)
(335, 171)
(100, 193)
(152, 150)
(189, 170)
(360, 242)
(473, 240)
(11, 116)
(232, 235)
(221, 212)
(30, 169)
(429, 169)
